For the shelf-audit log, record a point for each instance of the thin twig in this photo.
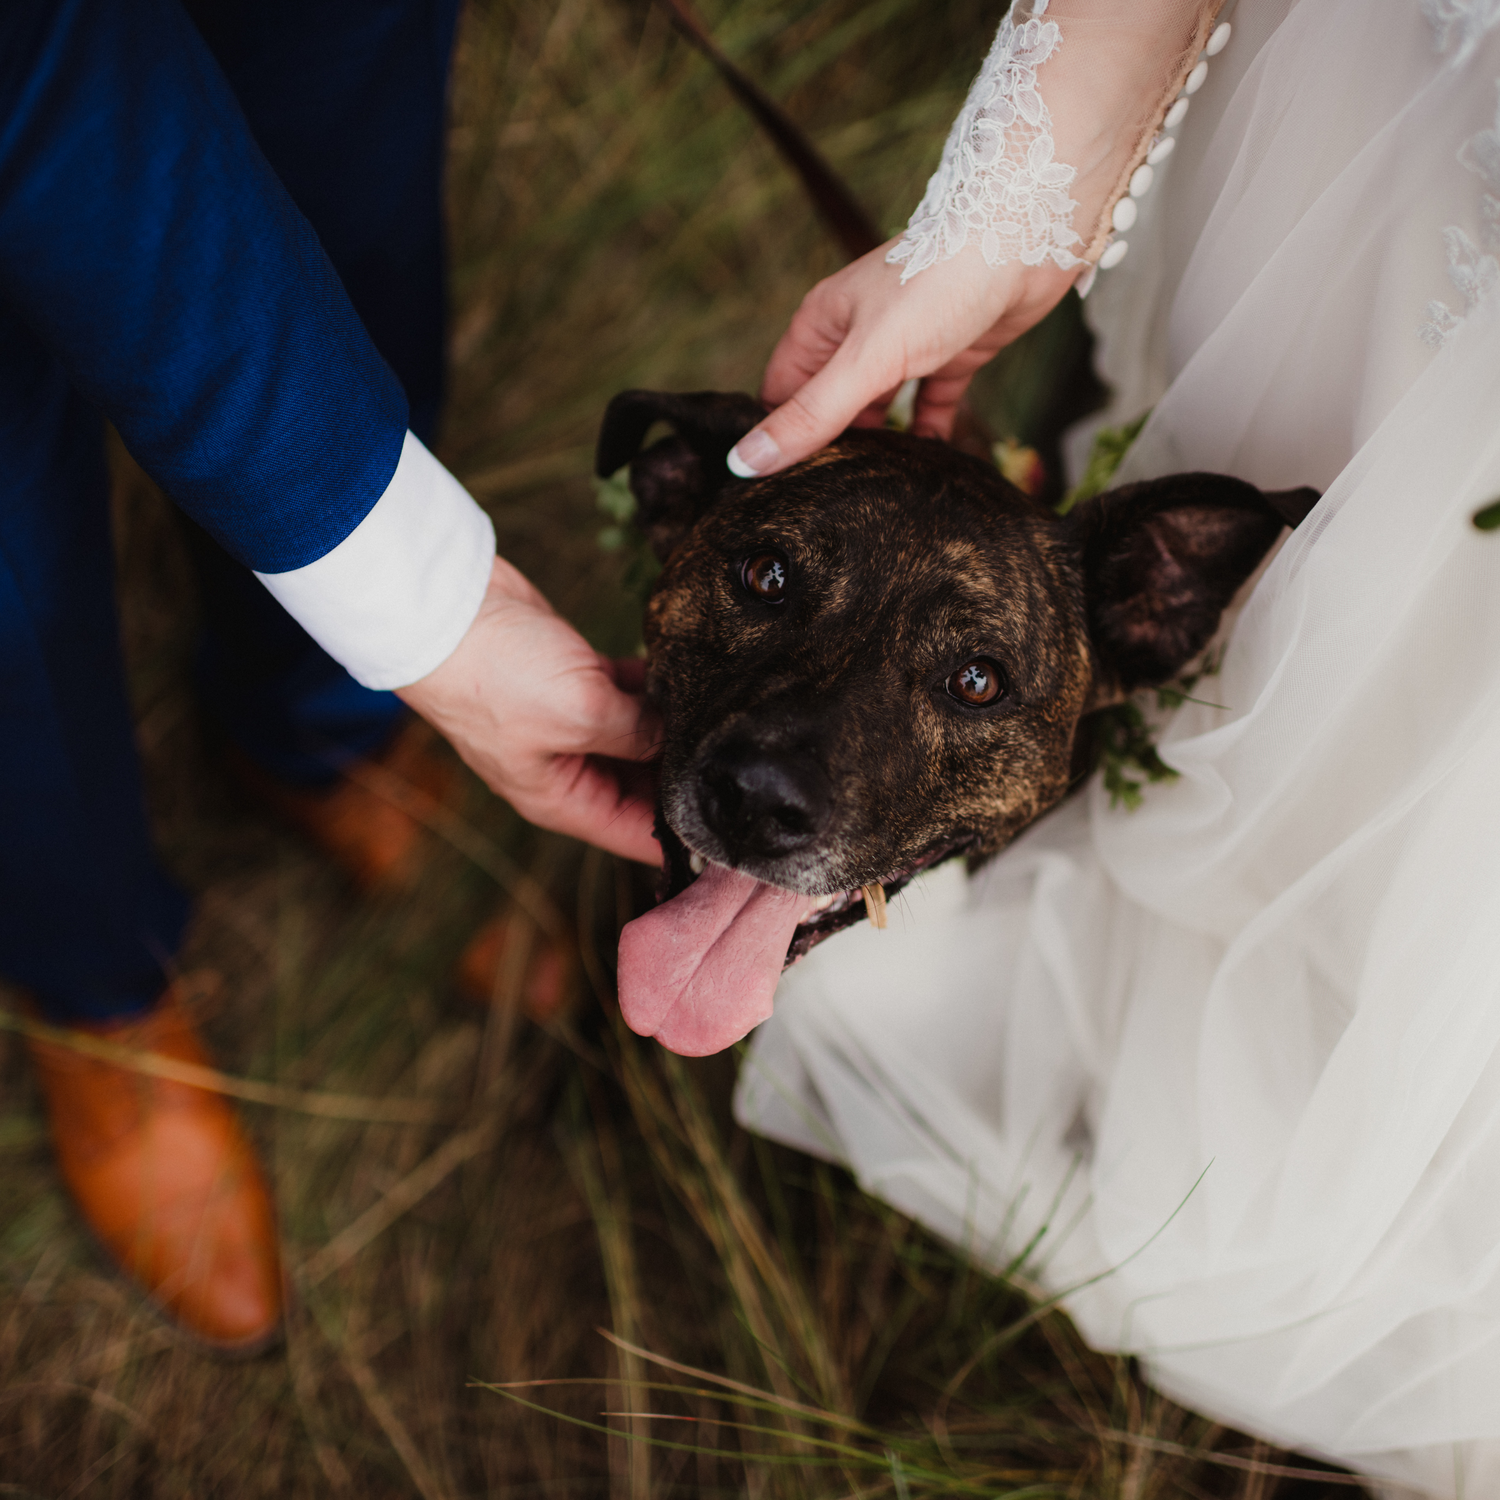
(775, 1401)
(212, 1081)
(398, 1200)
(1232, 1461)
(617, 1251)
(391, 1425)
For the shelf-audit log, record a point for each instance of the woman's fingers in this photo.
(827, 373)
(825, 405)
(855, 338)
(860, 333)
(810, 341)
(938, 400)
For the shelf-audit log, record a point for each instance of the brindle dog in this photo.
(881, 657)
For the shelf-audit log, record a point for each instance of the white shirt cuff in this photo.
(396, 596)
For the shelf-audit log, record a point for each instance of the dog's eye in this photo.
(764, 575)
(978, 683)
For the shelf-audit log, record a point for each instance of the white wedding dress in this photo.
(1226, 1069)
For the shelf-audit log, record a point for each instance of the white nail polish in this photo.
(755, 454)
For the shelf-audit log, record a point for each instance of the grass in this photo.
(710, 1314)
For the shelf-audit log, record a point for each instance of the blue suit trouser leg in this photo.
(346, 98)
(88, 919)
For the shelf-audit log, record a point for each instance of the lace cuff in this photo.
(1027, 189)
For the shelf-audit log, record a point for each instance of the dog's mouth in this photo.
(700, 971)
(830, 914)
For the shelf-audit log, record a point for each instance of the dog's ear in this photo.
(675, 480)
(1162, 559)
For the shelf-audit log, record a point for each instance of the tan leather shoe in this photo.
(370, 821)
(167, 1180)
(548, 967)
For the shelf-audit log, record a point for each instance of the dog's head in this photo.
(880, 657)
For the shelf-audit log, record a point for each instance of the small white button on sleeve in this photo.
(1114, 254)
(1176, 115)
(1161, 150)
(1219, 40)
(395, 597)
(1141, 180)
(1124, 216)
(1195, 79)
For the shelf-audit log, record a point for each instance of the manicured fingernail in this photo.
(755, 453)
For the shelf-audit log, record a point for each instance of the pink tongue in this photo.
(699, 971)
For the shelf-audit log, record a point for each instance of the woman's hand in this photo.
(540, 716)
(859, 334)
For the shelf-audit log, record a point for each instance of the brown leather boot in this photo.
(370, 821)
(167, 1180)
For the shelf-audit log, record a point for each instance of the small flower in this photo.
(1021, 466)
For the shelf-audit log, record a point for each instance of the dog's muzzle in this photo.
(761, 804)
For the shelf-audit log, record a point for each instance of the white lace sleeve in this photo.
(997, 181)
(1120, 64)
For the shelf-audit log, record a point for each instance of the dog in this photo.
(874, 661)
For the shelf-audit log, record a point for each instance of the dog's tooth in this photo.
(696, 863)
(816, 908)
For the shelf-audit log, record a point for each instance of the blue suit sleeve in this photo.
(148, 243)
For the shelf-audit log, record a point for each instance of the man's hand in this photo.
(537, 713)
(860, 333)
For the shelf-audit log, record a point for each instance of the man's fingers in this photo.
(596, 806)
(648, 734)
(812, 418)
(628, 672)
(620, 725)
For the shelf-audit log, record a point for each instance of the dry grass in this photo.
(616, 223)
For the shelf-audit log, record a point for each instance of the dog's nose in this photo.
(761, 802)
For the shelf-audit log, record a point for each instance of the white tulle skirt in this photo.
(1225, 1070)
